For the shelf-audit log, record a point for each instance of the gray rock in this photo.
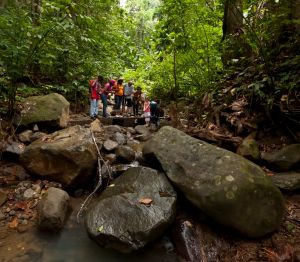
(249, 149)
(53, 209)
(118, 219)
(67, 156)
(25, 136)
(110, 145)
(52, 108)
(141, 129)
(143, 133)
(134, 144)
(285, 159)
(119, 138)
(29, 194)
(112, 129)
(198, 241)
(289, 181)
(96, 126)
(14, 148)
(36, 128)
(227, 187)
(131, 130)
(125, 153)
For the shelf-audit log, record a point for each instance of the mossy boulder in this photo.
(227, 187)
(249, 149)
(52, 109)
(284, 159)
(289, 181)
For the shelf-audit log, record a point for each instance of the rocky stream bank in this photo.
(161, 190)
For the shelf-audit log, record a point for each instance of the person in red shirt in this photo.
(95, 90)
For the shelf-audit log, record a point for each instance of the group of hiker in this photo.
(127, 100)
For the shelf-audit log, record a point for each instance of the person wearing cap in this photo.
(95, 86)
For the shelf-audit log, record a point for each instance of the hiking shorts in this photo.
(128, 102)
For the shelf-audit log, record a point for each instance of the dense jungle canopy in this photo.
(174, 50)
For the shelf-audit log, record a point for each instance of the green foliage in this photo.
(265, 51)
(60, 42)
(182, 57)
(170, 48)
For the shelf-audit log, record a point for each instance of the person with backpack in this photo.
(154, 112)
(95, 86)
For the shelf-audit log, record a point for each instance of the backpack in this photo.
(153, 106)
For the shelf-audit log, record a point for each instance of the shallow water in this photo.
(74, 245)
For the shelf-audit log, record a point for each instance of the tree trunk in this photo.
(295, 5)
(2, 4)
(36, 7)
(233, 17)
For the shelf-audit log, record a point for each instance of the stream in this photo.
(73, 244)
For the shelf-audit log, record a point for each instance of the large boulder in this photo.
(53, 209)
(135, 211)
(67, 156)
(289, 181)
(50, 109)
(227, 187)
(284, 159)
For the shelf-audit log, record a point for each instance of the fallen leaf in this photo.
(164, 194)
(14, 224)
(145, 201)
(47, 139)
(269, 174)
(100, 229)
(23, 205)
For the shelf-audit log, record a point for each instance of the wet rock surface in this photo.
(133, 212)
(52, 210)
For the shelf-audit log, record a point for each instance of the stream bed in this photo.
(72, 244)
